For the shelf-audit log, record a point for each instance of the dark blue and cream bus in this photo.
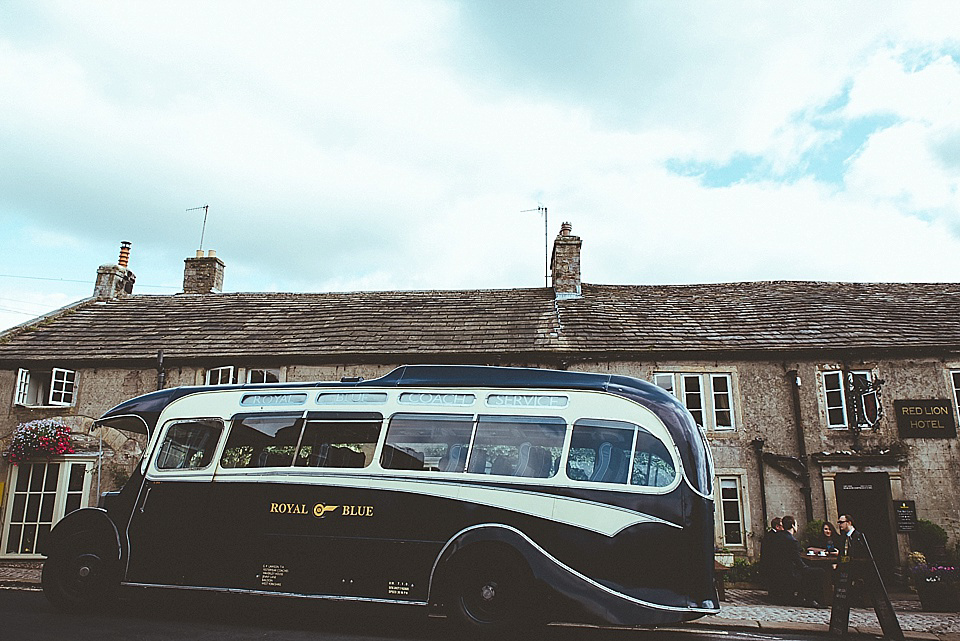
(497, 495)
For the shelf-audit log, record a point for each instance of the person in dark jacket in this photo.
(855, 552)
(854, 543)
(793, 579)
(767, 544)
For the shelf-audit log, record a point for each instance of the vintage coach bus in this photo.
(501, 495)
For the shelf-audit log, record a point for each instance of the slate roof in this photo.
(415, 325)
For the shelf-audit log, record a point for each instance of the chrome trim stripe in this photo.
(295, 595)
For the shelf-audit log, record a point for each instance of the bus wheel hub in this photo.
(489, 591)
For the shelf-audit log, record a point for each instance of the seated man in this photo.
(792, 580)
(767, 544)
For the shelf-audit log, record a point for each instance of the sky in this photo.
(361, 145)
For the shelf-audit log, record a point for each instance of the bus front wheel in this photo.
(494, 593)
(79, 576)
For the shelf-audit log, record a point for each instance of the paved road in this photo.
(26, 616)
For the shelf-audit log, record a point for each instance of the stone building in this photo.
(817, 398)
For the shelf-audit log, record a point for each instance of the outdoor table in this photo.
(819, 558)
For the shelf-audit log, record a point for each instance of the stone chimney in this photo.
(114, 281)
(565, 264)
(203, 274)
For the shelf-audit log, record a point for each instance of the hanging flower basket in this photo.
(45, 438)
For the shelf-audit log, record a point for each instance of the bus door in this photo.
(256, 459)
(288, 513)
(168, 525)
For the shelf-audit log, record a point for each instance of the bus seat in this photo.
(273, 459)
(611, 465)
(319, 457)
(478, 462)
(350, 458)
(503, 464)
(534, 461)
(336, 457)
(416, 458)
(455, 459)
(401, 458)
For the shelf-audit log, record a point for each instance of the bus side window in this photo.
(652, 465)
(434, 442)
(338, 444)
(189, 445)
(527, 446)
(262, 440)
(600, 451)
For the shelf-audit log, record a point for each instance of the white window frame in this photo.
(955, 385)
(707, 396)
(23, 387)
(722, 480)
(60, 501)
(63, 386)
(218, 372)
(273, 370)
(58, 389)
(844, 406)
(827, 389)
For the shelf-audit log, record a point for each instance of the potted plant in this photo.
(937, 585)
(930, 539)
(44, 438)
(723, 556)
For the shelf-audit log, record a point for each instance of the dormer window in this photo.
(263, 375)
(39, 388)
(226, 375)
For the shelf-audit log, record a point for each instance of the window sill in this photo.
(41, 407)
(845, 431)
(724, 434)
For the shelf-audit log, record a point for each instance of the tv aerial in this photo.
(203, 229)
(546, 243)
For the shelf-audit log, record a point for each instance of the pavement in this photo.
(750, 609)
(744, 609)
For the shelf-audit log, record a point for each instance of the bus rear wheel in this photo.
(494, 594)
(78, 576)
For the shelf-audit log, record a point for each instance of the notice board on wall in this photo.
(906, 512)
(925, 418)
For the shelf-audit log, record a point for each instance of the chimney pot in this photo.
(124, 259)
(565, 265)
(211, 253)
(203, 274)
(114, 281)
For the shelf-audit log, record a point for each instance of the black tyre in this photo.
(80, 576)
(493, 593)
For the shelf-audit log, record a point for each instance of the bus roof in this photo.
(148, 406)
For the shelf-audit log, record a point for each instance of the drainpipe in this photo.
(757, 444)
(161, 374)
(793, 378)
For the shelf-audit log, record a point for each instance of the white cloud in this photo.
(899, 164)
(906, 164)
(393, 145)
